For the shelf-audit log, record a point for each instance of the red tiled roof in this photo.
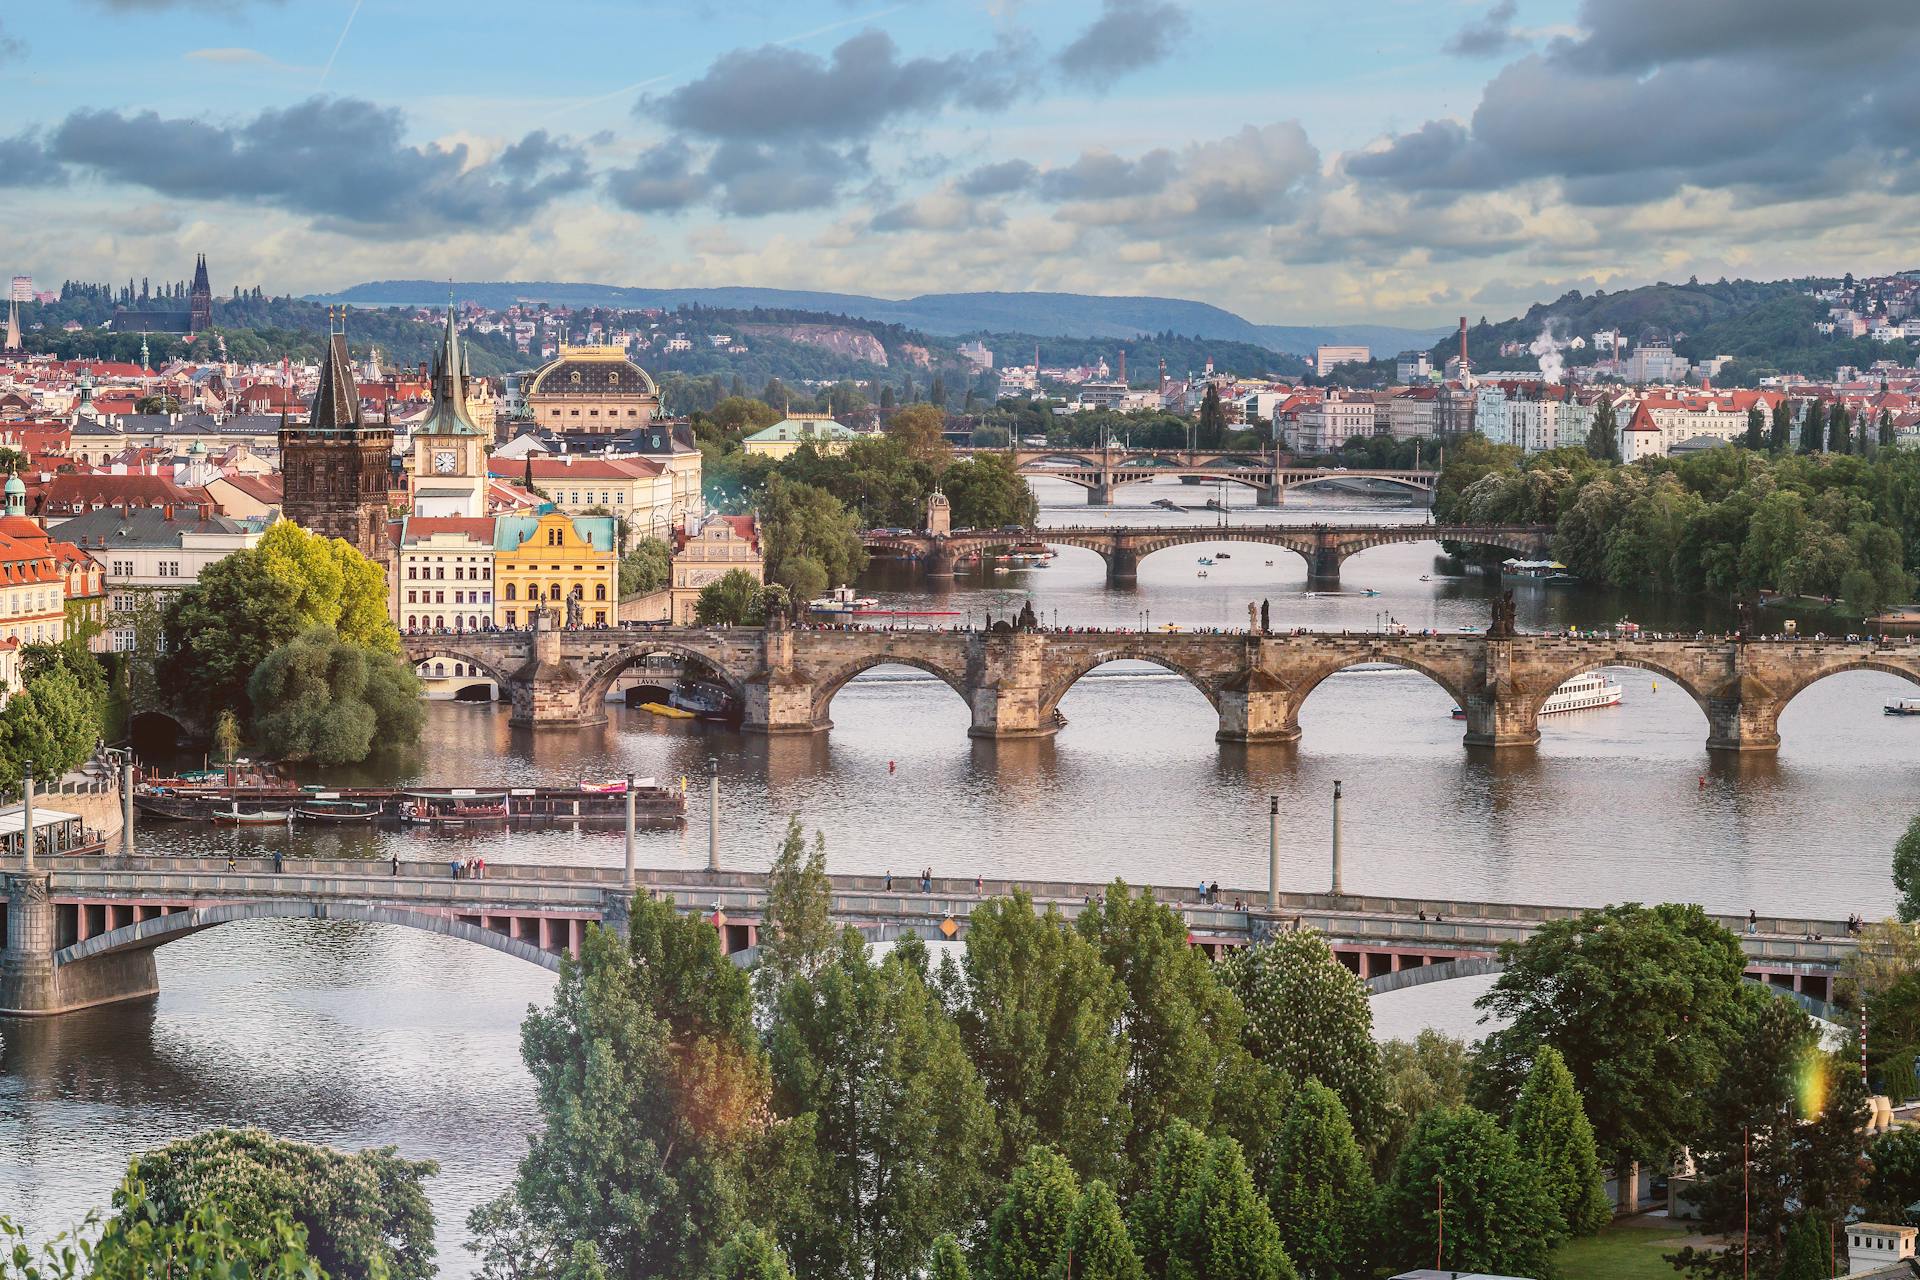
(588, 468)
(478, 528)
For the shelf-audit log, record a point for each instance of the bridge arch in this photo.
(1297, 480)
(417, 655)
(160, 930)
(1623, 657)
(829, 684)
(594, 689)
(1908, 670)
(1059, 683)
(1449, 681)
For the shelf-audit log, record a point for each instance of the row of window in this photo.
(554, 591)
(459, 597)
(593, 413)
(599, 618)
(438, 572)
(438, 622)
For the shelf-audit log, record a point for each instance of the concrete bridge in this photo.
(1101, 471)
(1012, 681)
(1325, 547)
(83, 931)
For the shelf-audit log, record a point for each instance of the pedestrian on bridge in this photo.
(396, 864)
(279, 862)
(453, 868)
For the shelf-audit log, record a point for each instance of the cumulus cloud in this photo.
(1128, 35)
(1489, 35)
(776, 92)
(664, 179)
(11, 47)
(1102, 175)
(1256, 177)
(999, 179)
(1626, 114)
(340, 161)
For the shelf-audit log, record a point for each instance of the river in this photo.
(369, 1035)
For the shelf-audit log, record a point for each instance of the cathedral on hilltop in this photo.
(153, 314)
(335, 465)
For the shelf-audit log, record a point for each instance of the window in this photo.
(412, 622)
(124, 602)
(412, 571)
(440, 572)
(458, 573)
(554, 538)
(169, 569)
(600, 591)
(413, 597)
(510, 591)
(599, 617)
(439, 669)
(123, 640)
(123, 568)
(439, 597)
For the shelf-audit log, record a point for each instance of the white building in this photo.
(1412, 366)
(1326, 427)
(1326, 357)
(443, 574)
(1655, 362)
(152, 554)
(1414, 414)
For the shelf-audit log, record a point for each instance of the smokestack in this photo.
(1463, 340)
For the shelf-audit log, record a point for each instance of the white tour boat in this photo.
(1584, 692)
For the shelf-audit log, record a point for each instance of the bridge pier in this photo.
(1256, 708)
(1501, 720)
(1007, 679)
(940, 560)
(32, 985)
(1742, 718)
(1270, 495)
(1323, 566)
(1100, 495)
(547, 691)
(1123, 566)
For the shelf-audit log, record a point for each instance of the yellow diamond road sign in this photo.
(949, 926)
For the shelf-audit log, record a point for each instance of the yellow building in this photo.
(723, 544)
(569, 564)
(593, 389)
(785, 437)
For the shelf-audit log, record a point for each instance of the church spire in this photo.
(13, 323)
(337, 406)
(449, 416)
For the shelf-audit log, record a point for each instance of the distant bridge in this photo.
(1012, 681)
(82, 931)
(1101, 471)
(1325, 547)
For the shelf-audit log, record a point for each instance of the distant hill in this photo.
(1071, 315)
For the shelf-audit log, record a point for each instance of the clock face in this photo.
(444, 461)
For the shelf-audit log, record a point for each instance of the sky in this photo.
(1296, 161)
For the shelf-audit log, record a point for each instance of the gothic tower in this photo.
(200, 306)
(449, 451)
(335, 465)
(13, 325)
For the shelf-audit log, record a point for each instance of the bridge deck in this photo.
(1360, 921)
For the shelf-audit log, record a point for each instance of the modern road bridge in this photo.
(83, 931)
(1325, 547)
(1012, 680)
(1101, 471)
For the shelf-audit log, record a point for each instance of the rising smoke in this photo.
(1547, 348)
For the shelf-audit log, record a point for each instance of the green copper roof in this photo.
(449, 414)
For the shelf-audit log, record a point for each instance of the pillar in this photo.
(1256, 707)
(1270, 495)
(939, 560)
(1741, 717)
(1100, 495)
(1123, 565)
(1007, 685)
(32, 984)
(1323, 565)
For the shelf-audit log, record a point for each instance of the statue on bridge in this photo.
(1253, 616)
(1266, 618)
(574, 611)
(1502, 624)
(1026, 621)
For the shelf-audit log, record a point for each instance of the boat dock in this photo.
(653, 805)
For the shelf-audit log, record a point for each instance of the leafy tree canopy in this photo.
(325, 699)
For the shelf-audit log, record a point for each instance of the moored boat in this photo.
(236, 817)
(1585, 692)
(1904, 707)
(330, 808)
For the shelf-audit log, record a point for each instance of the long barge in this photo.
(194, 802)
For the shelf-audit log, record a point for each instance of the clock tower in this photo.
(449, 451)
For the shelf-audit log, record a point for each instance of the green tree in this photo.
(1756, 428)
(1225, 1231)
(654, 1098)
(797, 935)
(51, 723)
(1179, 1165)
(1431, 1070)
(1806, 1254)
(1782, 425)
(222, 627)
(1308, 1016)
(362, 1214)
(1639, 1001)
(987, 493)
(1097, 1243)
(1041, 1012)
(324, 699)
(806, 531)
(1813, 427)
(1839, 430)
(1212, 427)
(1460, 1164)
(947, 1262)
(937, 393)
(141, 1244)
(1887, 437)
(1320, 1190)
(752, 1255)
(226, 734)
(731, 601)
(1183, 1027)
(1894, 1181)
(1027, 1235)
(645, 568)
(917, 429)
(1550, 1128)
(1603, 437)
(334, 585)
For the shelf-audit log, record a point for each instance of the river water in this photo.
(367, 1035)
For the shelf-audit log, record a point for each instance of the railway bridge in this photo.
(1012, 680)
(1325, 547)
(1101, 471)
(83, 931)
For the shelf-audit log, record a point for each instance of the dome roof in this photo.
(593, 371)
(15, 485)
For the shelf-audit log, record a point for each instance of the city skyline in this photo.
(1401, 165)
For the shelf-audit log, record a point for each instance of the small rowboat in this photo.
(258, 818)
(337, 811)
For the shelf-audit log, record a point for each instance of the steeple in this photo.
(146, 360)
(449, 416)
(200, 299)
(337, 406)
(16, 494)
(13, 323)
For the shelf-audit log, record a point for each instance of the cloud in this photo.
(664, 179)
(1128, 35)
(24, 159)
(1490, 35)
(999, 179)
(1617, 115)
(11, 47)
(339, 161)
(774, 92)
(754, 179)
(1101, 175)
(238, 57)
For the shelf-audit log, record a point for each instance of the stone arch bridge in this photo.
(83, 931)
(1101, 471)
(1012, 681)
(1325, 547)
